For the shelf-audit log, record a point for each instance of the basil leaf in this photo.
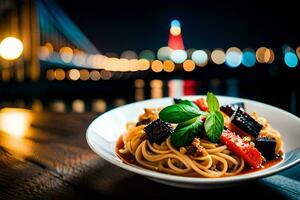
(185, 133)
(212, 102)
(190, 103)
(214, 125)
(179, 113)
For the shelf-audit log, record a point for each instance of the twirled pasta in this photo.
(215, 160)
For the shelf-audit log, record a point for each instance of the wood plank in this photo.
(24, 180)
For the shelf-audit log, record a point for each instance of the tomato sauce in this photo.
(130, 159)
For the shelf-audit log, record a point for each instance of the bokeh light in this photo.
(59, 74)
(178, 56)
(124, 65)
(143, 64)
(112, 64)
(84, 74)
(157, 66)
(298, 52)
(99, 105)
(156, 83)
(49, 46)
(15, 123)
(58, 106)
(90, 60)
(260, 54)
(147, 54)
(66, 54)
(50, 75)
(139, 83)
(249, 59)
(129, 54)
(78, 106)
(74, 74)
(218, 56)
(156, 88)
(79, 58)
(291, 59)
(105, 75)
(175, 23)
(269, 56)
(189, 65)
(95, 75)
(98, 61)
(119, 102)
(164, 53)
(233, 57)
(175, 30)
(37, 105)
(134, 65)
(11, 48)
(43, 53)
(168, 66)
(200, 57)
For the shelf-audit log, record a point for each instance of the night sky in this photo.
(116, 26)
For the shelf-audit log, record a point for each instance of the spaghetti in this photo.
(211, 160)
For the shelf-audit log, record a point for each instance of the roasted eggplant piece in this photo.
(246, 123)
(266, 146)
(158, 131)
(231, 108)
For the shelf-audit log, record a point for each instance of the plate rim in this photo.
(195, 180)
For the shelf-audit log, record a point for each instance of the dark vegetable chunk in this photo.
(231, 108)
(266, 146)
(143, 122)
(246, 123)
(158, 131)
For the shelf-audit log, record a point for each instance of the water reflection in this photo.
(175, 88)
(144, 89)
(232, 88)
(14, 122)
(156, 88)
(78, 106)
(99, 105)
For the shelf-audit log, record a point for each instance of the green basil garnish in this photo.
(212, 102)
(179, 113)
(185, 133)
(214, 125)
(187, 115)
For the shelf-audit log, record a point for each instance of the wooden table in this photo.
(45, 156)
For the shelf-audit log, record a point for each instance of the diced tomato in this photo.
(201, 103)
(242, 148)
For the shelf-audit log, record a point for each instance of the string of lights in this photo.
(168, 59)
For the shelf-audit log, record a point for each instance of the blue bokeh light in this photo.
(233, 58)
(178, 56)
(249, 58)
(291, 59)
(175, 23)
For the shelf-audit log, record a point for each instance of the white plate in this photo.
(105, 130)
